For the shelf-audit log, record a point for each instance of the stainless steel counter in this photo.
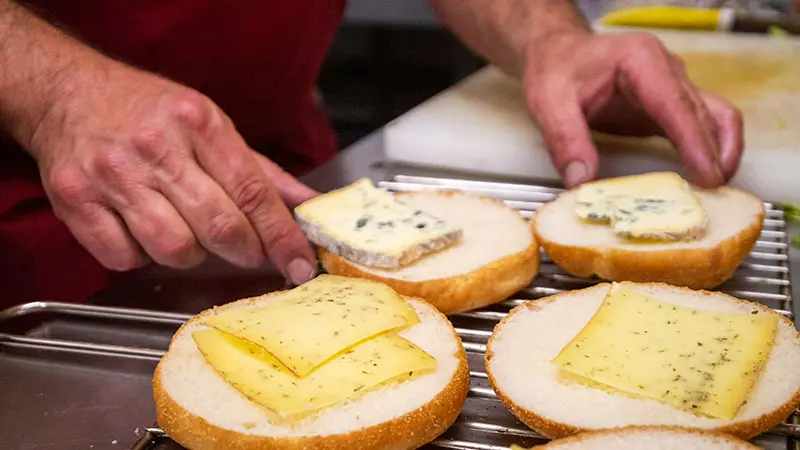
(81, 401)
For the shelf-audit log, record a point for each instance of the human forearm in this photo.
(36, 68)
(503, 31)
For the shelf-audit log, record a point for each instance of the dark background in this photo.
(388, 57)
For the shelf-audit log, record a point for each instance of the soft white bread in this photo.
(200, 410)
(522, 346)
(650, 438)
(496, 256)
(584, 249)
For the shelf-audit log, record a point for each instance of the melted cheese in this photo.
(264, 380)
(372, 227)
(694, 360)
(652, 206)
(308, 325)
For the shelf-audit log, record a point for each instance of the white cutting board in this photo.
(481, 125)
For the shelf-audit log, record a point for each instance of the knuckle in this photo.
(177, 250)
(281, 237)
(69, 186)
(107, 163)
(224, 227)
(195, 111)
(252, 194)
(151, 146)
(647, 44)
(150, 143)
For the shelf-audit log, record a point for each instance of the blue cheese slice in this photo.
(369, 226)
(658, 205)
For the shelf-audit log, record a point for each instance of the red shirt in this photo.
(257, 59)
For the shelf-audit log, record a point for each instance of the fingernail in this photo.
(300, 271)
(575, 173)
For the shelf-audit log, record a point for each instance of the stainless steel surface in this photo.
(76, 345)
(78, 379)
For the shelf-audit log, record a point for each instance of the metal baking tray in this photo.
(484, 423)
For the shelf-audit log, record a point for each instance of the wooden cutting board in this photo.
(482, 125)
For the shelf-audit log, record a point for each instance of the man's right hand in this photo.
(140, 168)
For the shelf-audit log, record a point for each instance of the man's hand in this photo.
(626, 84)
(619, 83)
(141, 168)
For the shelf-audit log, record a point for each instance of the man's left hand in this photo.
(626, 84)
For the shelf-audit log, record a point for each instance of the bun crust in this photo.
(488, 284)
(553, 429)
(408, 431)
(692, 268)
(695, 268)
(724, 441)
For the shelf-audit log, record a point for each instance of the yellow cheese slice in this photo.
(699, 361)
(313, 322)
(264, 380)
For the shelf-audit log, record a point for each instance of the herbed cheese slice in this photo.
(658, 205)
(699, 361)
(370, 226)
(264, 380)
(306, 326)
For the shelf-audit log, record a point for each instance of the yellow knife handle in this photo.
(673, 17)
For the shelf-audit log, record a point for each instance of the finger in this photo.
(160, 230)
(730, 132)
(291, 191)
(700, 108)
(647, 74)
(214, 219)
(557, 112)
(103, 234)
(707, 122)
(223, 154)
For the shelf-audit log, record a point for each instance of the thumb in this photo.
(290, 190)
(566, 133)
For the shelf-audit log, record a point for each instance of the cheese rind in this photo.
(694, 360)
(369, 226)
(658, 206)
(264, 380)
(308, 325)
